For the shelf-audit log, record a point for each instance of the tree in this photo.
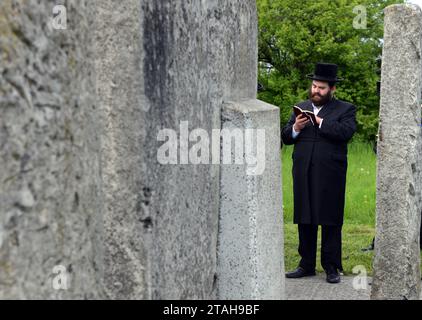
(296, 34)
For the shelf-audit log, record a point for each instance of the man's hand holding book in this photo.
(300, 123)
(303, 117)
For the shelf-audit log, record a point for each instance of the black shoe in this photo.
(333, 276)
(299, 273)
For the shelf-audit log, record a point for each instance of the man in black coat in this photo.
(319, 172)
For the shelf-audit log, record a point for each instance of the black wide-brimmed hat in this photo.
(325, 72)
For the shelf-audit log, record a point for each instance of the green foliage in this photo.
(296, 34)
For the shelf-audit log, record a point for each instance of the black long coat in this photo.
(320, 163)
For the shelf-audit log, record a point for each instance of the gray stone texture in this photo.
(80, 184)
(181, 66)
(399, 175)
(49, 152)
(250, 241)
(317, 288)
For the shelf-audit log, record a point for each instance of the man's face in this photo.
(320, 92)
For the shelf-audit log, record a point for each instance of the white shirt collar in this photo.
(316, 109)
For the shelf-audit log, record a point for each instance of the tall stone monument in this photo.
(50, 176)
(250, 260)
(87, 209)
(399, 175)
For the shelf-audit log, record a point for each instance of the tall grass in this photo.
(360, 185)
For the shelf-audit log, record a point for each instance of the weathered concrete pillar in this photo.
(399, 175)
(153, 74)
(166, 65)
(50, 185)
(250, 242)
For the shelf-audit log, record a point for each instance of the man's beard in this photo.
(322, 100)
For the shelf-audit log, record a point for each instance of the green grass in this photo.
(359, 215)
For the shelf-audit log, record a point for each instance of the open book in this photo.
(308, 114)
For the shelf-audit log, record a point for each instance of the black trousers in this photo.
(330, 247)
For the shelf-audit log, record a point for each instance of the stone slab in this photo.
(250, 242)
(399, 158)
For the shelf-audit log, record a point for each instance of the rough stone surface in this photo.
(188, 61)
(317, 288)
(49, 175)
(399, 175)
(80, 183)
(250, 241)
